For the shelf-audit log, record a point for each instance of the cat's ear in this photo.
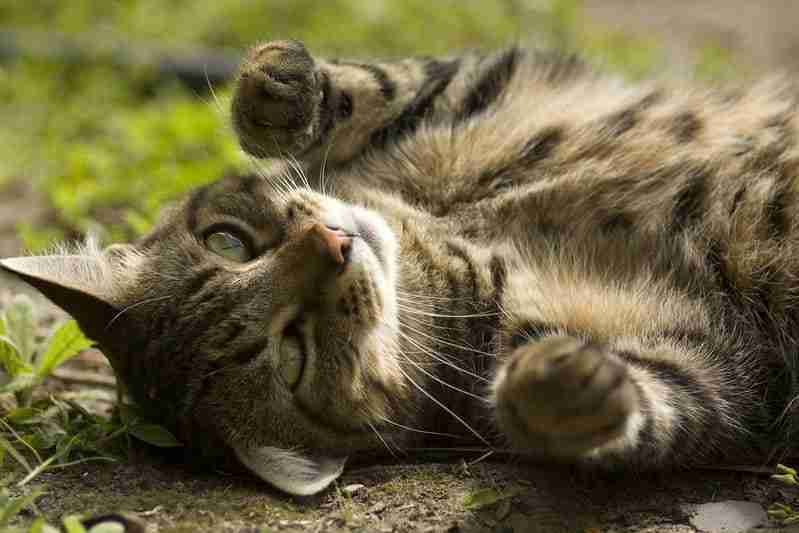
(291, 472)
(79, 284)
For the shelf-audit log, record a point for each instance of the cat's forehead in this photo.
(245, 198)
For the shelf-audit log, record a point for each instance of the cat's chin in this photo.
(289, 471)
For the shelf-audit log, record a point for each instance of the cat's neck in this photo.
(450, 325)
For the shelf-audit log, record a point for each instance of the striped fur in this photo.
(651, 223)
(546, 259)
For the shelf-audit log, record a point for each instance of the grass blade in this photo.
(20, 327)
(11, 510)
(41, 467)
(72, 525)
(155, 435)
(20, 382)
(66, 342)
(6, 445)
(40, 526)
(10, 358)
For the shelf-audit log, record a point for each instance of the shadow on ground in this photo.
(407, 497)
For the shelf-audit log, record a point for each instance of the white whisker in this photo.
(415, 430)
(379, 436)
(439, 380)
(439, 357)
(132, 306)
(445, 408)
(442, 315)
(452, 344)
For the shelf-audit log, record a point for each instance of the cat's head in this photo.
(258, 320)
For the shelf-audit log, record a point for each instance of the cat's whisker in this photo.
(422, 322)
(217, 102)
(416, 430)
(441, 381)
(445, 408)
(439, 357)
(379, 436)
(417, 297)
(323, 168)
(218, 370)
(286, 184)
(133, 306)
(448, 343)
(288, 181)
(276, 184)
(297, 167)
(412, 310)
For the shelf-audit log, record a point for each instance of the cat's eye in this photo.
(229, 246)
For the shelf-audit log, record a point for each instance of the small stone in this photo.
(729, 516)
(353, 489)
(377, 508)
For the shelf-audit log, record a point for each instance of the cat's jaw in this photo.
(357, 318)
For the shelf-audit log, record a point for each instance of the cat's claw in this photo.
(275, 106)
(563, 397)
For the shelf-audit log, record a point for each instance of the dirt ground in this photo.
(400, 497)
(441, 494)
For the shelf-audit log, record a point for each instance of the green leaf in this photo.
(128, 414)
(19, 326)
(155, 435)
(13, 452)
(13, 508)
(21, 415)
(73, 525)
(488, 496)
(20, 382)
(40, 526)
(10, 357)
(66, 342)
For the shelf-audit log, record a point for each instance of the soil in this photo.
(441, 494)
(398, 497)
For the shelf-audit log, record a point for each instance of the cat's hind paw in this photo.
(563, 397)
(276, 102)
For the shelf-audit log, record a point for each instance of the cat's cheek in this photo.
(290, 471)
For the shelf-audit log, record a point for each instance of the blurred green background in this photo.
(95, 126)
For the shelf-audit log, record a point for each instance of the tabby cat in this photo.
(508, 249)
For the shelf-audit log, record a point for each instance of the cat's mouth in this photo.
(294, 352)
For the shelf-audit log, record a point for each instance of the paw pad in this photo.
(276, 99)
(563, 396)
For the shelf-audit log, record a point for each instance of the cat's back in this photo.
(545, 118)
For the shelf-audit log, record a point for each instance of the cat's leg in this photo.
(576, 400)
(288, 103)
(636, 378)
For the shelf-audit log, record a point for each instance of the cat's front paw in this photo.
(563, 397)
(276, 100)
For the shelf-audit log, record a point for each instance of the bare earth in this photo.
(450, 493)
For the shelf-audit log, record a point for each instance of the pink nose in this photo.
(334, 242)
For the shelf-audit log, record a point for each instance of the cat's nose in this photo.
(335, 242)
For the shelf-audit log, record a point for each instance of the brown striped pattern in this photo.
(614, 270)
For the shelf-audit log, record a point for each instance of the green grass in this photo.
(781, 512)
(40, 431)
(107, 145)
